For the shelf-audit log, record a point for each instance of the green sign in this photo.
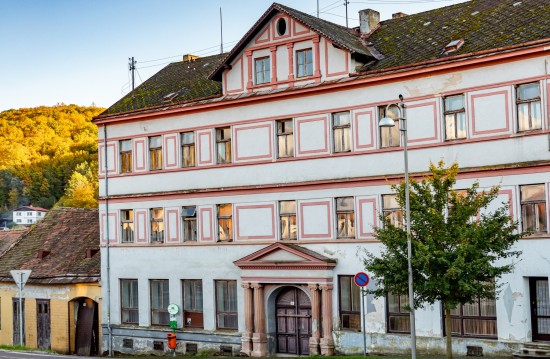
(173, 324)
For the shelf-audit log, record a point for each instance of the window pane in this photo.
(390, 201)
(287, 206)
(155, 142)
(341, 119)
(225, 229)
(224, 210)
(532, 193)
(188, 137)
(344, 204)
(454, 103)
(461, 125)
(528, 91)
(536, 116)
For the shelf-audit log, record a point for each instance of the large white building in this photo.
(244, 187)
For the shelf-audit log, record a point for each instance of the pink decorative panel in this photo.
(112, 217)
(255, 221)
(171, 151)
(234, 76)
(312, 135)
(423, 126)
(140, 162)
(337, 63)
(299, 29)
(276, 36)
(364, 128)
(171, 216)
(367, 217)
(264, 36)
(206, 224)
(490, 113)
(205, 147)
(253, 142)
(315, 219)
(141, 225)
(112, 156)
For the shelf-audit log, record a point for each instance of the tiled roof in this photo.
(8, 238)
(30, 208)
(63, 236)
(176, 83)
(482, 24)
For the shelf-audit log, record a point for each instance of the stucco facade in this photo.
(236, 196)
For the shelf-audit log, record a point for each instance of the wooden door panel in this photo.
(293, 311)
(540, 308)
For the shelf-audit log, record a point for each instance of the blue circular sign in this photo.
(361, 279)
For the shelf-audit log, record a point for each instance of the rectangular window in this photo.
(127, 224)
(262, 68)
(389, 136)
(225, 223)
(304, 63)
(155, 153)
(188, 149)
(285, 138)
(287, 219)
(350, 303)
(528, 107)
(533, 208)
(477, 319)
(341, 131)
(189, 219)
(159, 302)
(129, 301)
(126, 156)
(398, 317)
(346, 217)
(192, 303)
(157, 225)
(223, 144)
(455, 117)
(29, 213)
(391, 209)
(226, 304)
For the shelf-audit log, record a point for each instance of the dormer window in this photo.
(304, 63)
(262, 68)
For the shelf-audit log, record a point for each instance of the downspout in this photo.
(107, 240)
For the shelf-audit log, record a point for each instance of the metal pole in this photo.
(21, 309)
(408, 219)
(363, 296)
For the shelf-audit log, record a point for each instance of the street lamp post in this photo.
(389, 122)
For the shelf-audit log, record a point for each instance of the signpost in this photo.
(20, 277)
(361, 280)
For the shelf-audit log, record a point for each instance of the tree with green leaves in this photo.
(459, 247)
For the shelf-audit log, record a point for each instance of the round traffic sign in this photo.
(361, 279)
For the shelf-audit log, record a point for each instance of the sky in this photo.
(77, 51)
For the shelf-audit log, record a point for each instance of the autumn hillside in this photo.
(48, 156)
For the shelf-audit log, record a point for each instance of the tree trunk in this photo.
(448, 332)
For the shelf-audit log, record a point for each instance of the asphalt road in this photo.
(25, 355)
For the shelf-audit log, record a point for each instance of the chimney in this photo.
(368, 20)
(398, 15)
(189, 57)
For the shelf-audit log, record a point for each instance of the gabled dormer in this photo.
(287, 48)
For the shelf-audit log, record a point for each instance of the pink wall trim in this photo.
(547, 108)
(115, 230)
(362, 230)
(273, 50)
(268, 155)
(510, 194)
(296, 32)
(317, 53)
(249, 82)
(273, 233)
(299, 122)
(172, 234)
(138, 144)
(473, 112)
(241, 89)
(202, 138)
(283, 280)
(274, 27)
(281, 43)
(170, 144)
(343, 72)
(436, 132)
(112, 162)
(290, 52)
(328, 206)
(259, 40)
(141, 226)
(355, 129)
(210, 213)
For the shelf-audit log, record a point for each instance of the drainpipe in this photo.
(107, 259)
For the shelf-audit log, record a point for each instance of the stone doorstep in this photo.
(537, 345)
(534, 350)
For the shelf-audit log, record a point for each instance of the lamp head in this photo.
(386, 122)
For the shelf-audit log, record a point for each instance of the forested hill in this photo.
(48, 156)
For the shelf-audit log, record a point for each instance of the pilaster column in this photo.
(315, 320)
(259, 338)
(248, 54)
(246, 338)
(327, 343)
(273, 50)
(290, 48)
(317, 51)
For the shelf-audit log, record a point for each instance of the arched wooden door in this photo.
(293, 311)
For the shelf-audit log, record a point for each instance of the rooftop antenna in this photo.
(221, 31)
(132, 68)
(346, 3)
(317, 8)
